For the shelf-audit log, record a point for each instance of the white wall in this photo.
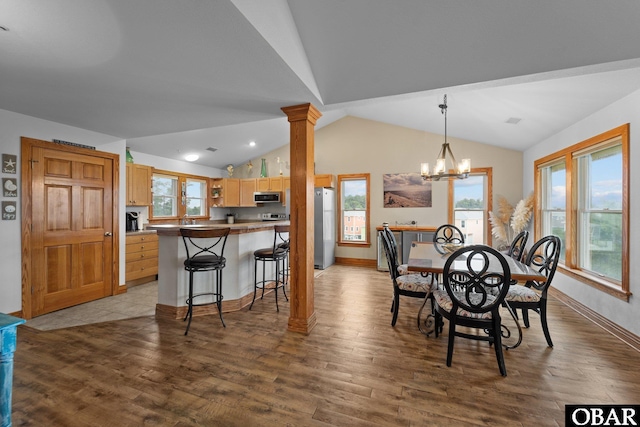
(175, 165)
(12, 127)
(355, 145)
(627, 110)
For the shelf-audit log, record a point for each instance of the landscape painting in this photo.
(406, 190)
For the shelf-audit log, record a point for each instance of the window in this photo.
(553, 205)
(176, 195)
(165, 195)
(470, 203)
(584, 194)
(353, 206)
(196, 197)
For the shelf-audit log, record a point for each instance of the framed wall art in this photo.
(9, 187)
(405, 190)
(9, 162)
(9, 210)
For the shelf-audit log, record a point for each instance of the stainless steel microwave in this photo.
(267, 197)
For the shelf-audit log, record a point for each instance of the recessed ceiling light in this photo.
(513, 120)
(191, 157)
(252, 144)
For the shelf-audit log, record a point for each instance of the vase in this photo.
(129, 157)
(263, 169)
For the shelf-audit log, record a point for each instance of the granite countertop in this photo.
(236, 228)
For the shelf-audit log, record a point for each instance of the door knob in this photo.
(108, 233)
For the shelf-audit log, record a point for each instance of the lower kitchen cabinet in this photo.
(141, 258)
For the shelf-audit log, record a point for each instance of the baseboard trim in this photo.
(171, 312)
(619, 332)
(357, 262)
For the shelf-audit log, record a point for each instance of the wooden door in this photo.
(68, 226)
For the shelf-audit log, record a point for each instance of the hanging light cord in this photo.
(443, 110)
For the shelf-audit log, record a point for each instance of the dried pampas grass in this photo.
(510, 221)
(504, 210)
(498, 230)
(522, 214)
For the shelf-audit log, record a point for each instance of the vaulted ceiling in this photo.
(178, 77)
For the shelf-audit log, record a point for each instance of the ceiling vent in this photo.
(212, 149)
(513, 120)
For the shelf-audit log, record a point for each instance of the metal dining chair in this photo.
(472, 297)
(517, 247)
(448, 233)
(543, 257)
(411, 285)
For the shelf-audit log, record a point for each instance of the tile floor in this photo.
(138, 301)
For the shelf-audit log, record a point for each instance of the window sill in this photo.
(601, 285)
(355, 244)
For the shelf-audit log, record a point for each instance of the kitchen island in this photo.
(237, 277)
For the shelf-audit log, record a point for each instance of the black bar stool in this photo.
(278, 253)
(205, 249)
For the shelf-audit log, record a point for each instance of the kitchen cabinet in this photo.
(274, 183)
(286, 185)
(326, 180)
(225, 192)
(138, 184)
(141, 257)
(232, 192)
(247, 188)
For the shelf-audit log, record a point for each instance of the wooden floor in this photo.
(354, 369)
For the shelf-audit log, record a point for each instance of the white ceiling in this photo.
(178, 77)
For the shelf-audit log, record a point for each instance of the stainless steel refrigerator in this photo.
(324, 224)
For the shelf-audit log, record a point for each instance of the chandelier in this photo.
(458, 171)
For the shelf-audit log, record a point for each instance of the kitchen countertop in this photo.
(236, 228)
(140, 232)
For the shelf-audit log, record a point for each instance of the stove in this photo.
(274, 217)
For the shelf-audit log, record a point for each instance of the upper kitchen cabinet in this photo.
(225, 192)
(326, 180)
(286, 185)
(247, 188)
(218, 192)
(274, 183)
(138, 185)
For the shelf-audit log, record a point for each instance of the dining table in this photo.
(430, 257)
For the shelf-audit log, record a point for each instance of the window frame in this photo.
(175, 197)
(203, 195)
(488, 173)
(342, 241)
(570, 267)
(181, 208)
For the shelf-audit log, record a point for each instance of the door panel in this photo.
(72, 222)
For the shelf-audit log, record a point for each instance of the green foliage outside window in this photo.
(470, 204)
(355, 203)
